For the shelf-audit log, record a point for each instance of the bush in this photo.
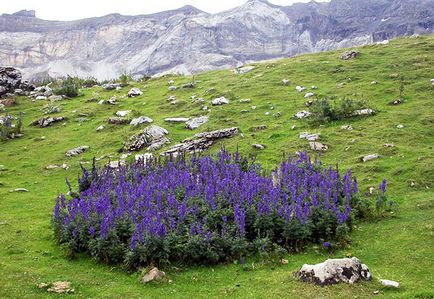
(331, 109)
(10, 126)
(125, 79)
(69, 87)
(205, 210)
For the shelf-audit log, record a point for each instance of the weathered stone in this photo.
(300, 88)
(200, 141)
(400, 126)
(20, 190)
(118, 121)
(100, 128)
(245, 101)
(7, 102)
(309, 95)
(258, 146)
(152, 138)
(11, 80)
(123, 113)
(195, 123)
(189, 85)
(388, 145)
(302, 114)
(55, 98)
(111, 86)
(314, 87)
(347, 127)
(348, 270)
(141, 120)
(145, 158)
(134, 92)
(317, 146)
(370, 157)
(47, 121)
(389, 283)
(41, 98)
(77, 151)
(116, 164)
(51, 109)
(220, 101)
(61, 287)
(374, 82)
(243, 70)
(153, 275)
(396, 102)
(176, 119)
(350, 55)
(364, 112)
(173, 88)
(285, 82)
(53, 166)
(309, 137)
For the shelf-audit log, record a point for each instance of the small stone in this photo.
(366, 112)
(41, 98)
(300, 88)
(374, 82)
(389, 283)
(253, 107)
(245, 101)
(220, 101)
(309, 95)
(396, 102)
(118, 121)
(153, 275)
(176, 119)
(134, 92)
(284, 261)
(350, 55)
(123, 113)
(42, 285)
(388, 145)
(347, 127)
(314, 87)
(293, 127)
(144, 157)
(77, 151)
(116, 164)
(302, 114)
(195, 123)
(21, 190)
(309, 137)
(370, 157)
(61, 287)
(243, 70)
(173, 88)
(384, 42)
(258, 146)
(100, 128)
(400, 126)
(317, 146)
(170, 82)
(189, 85)
(55, 98)
(141, 120)
(285, 82)
(111, 86)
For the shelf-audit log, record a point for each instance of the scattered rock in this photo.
(55, 98)
(41, 98)
(314, 87)
(388, 145)
(400, 126)
(152, 138)
(153, 275)
(51, 166)
(77, 151)
(258, 146)
(200, 142)
(364, 112)
(317, 146)
(300, 88)
(47, 121)
(111, 86)
(20, 190)
(7, 102)
(134, 92)
(389, 283)
(374, 82)
(100, 128)
(220, 101)
(347, 127)
(309, 137)
(302, 114)
(141, 120)
(396, 102)
(189, 85)
(116, 164)
(61, 287)
(309, 95)
(348, 270)
(285, 82)
(370, 157)
(384, 42)
(195, 123)
(176, 119)
(350, 55)
(11, 79)
(243, 70)
(245, 101)
(173, 88)
(118, 121)
(171, 98)
(123, 113)
(170, 82)
(432, 81)
(145, 158)
(51, 109)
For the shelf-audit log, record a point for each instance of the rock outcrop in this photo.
(348, 270)
(11, 81)
(152, 138)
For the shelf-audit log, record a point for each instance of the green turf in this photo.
(400, 247)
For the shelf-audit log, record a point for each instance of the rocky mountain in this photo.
(188, 40)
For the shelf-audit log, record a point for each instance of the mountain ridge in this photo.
(187, 40)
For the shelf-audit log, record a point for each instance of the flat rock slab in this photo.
(348, 270)
(195, 123)
(77, 151)
(389, 283)
(176, 119)
(48, 121)
(141, 120)
(370, 157)
(200, 142)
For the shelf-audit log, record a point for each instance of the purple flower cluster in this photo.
(203, 198)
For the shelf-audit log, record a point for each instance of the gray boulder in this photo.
(370, 157)
(176, 119)
(141, 120)
(77, 151)
(47, 121)
(111, 86)
(152, 138)
(350, 55)
(134, 92)
(153, 275)
(348, 270)
(195, 123)
(318, 146)
(302, 114)
(11, 80)
(220, 101)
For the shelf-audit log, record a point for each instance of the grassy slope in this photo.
(399, 248)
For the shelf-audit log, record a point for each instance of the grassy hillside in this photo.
(399, 247)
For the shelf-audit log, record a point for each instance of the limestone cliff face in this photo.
(188, 40)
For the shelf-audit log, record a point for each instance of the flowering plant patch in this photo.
(204, 210)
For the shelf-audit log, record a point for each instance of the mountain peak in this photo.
(25, 13)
